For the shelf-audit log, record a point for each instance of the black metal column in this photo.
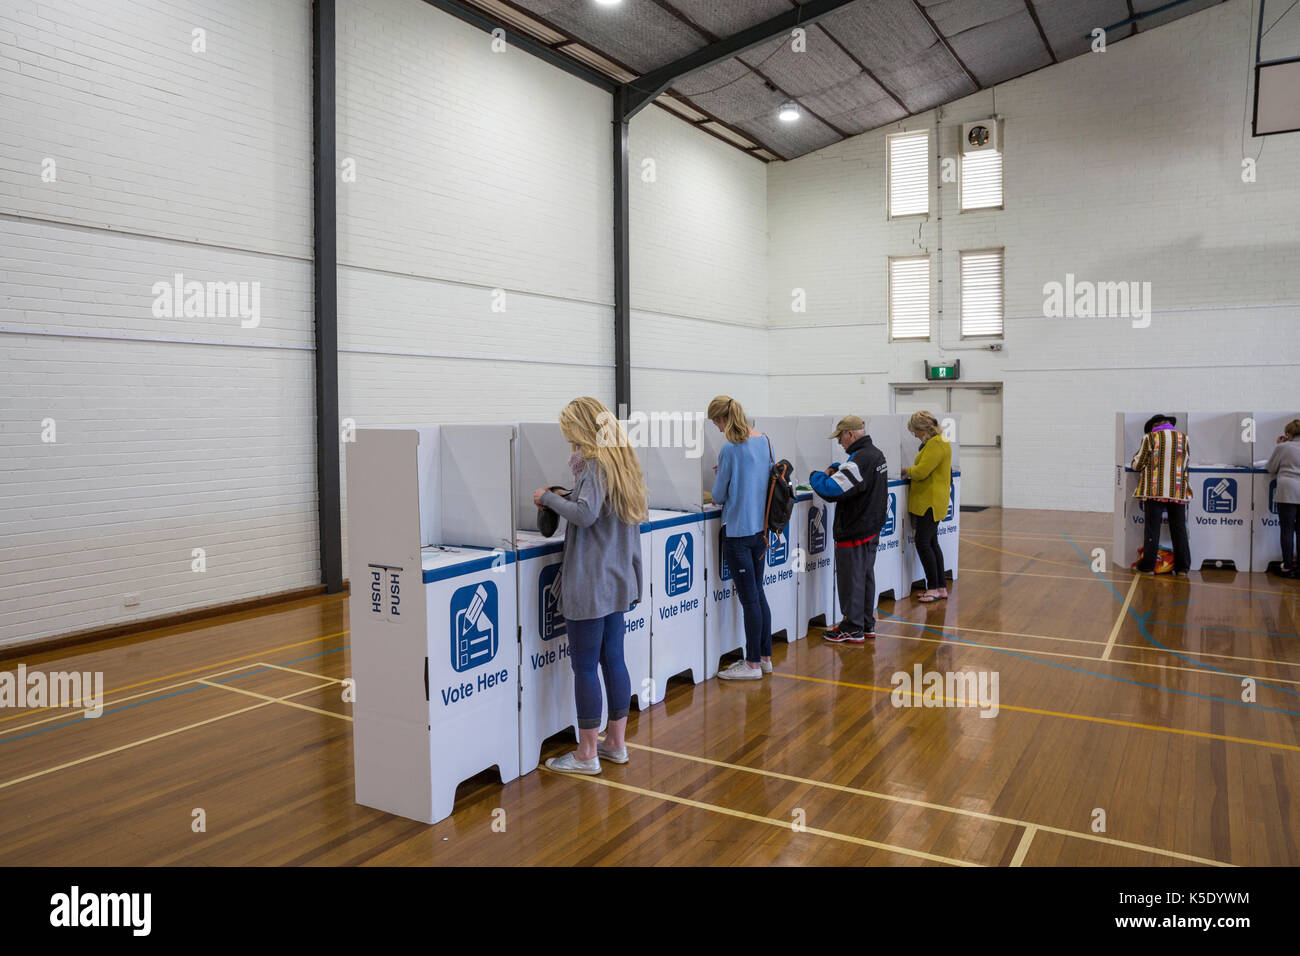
(325, 289)
(622, 267)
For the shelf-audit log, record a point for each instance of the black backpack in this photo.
(780, 493)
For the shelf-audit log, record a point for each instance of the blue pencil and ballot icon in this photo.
(473, 625)
(952, 500)
(1272, 489)
(1219, 496)
(550, 623)
(891, 516)
(778, 547)
(816, 529)
(679, 555)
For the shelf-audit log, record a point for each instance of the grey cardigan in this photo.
(602, 555)
(1285, 464)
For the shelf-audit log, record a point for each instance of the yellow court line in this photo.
(154, 680)
(908, 801)
(277, 700)
(780, 824)
(1119, 621)
(1097, 660)
(137, 743)
(1057, 713)
(280, 667)
(1023, 848)
(120, 700)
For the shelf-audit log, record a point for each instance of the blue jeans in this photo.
(745, 559)
(593, 643)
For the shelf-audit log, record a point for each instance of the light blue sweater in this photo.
(741, 485)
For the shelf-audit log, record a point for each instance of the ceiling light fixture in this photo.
(789, 112)
(609, 3)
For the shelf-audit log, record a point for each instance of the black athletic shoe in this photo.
(855, 637)
(843, 634)
(832, 633)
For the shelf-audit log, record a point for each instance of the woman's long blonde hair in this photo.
(737, 429)
(1293, 428)
(594, 432)
(925, 423)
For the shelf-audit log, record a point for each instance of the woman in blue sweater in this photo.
(744, 467)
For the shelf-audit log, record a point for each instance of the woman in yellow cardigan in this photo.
(927, 500)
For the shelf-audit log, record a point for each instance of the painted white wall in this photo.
(171, 433)
(698, 225)
(1119, 166)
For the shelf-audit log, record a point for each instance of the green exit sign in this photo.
(945, 373)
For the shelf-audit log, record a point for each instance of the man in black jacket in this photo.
(859, 489)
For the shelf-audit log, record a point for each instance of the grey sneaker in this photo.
(765, 666)
(570, 763)
(613, 756)
(740, 671)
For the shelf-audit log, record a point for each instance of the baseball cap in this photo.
(849, 423)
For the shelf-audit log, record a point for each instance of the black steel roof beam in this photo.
(1033, 13)
(864, 68)
(526, 43)
(645, 88)
(947, 46)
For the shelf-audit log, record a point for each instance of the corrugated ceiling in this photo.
(866, 65)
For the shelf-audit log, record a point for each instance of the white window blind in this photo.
(981, 293)
(909, 297)
(981, 180)
(909, 173)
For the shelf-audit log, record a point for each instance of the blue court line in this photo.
(1142, 620)
(188, 690)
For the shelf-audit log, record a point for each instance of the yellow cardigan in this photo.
(931, 476)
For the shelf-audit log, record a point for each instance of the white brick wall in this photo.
(172, 433)
(1118, 166)
(698, 222)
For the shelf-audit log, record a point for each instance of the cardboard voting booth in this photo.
(784, 555)
(813, 451)
(1219, 514)
(433, 613)
(676, 543)
(673, 537)
(1266, 526)
(724, 621)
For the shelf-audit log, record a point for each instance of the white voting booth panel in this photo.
(676, 542)
(1266, 526)
(432, 648)
(890, 577)
(815, 592)
(1219, 514)
(949, 537)
(724, 620)
(674, 538)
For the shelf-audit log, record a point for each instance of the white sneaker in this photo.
(765, 666)
(741, 671)
(570, 763)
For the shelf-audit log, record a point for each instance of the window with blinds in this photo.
(909, 173)
(981, 293)
(909, 297)
(981, 180)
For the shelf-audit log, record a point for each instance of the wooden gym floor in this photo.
(1118, 695)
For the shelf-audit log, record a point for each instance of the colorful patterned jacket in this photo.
(1162, 464)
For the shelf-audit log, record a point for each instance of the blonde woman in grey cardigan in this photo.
(601, 576)
(1284, 465)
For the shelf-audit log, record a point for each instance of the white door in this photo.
(978, 412)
